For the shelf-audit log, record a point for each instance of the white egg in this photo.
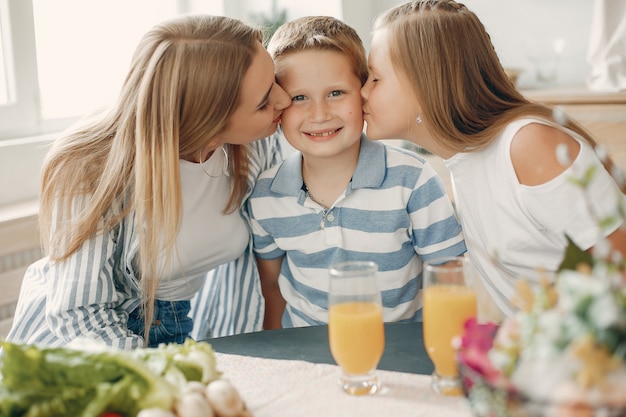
(224, 398)
(193, 404)
(155, 412)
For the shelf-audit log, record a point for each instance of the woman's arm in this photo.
(269, 271)
(87, 296)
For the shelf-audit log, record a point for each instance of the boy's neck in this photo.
(327, 178)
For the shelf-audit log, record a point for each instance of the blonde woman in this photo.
(140, 201)
(436, 80)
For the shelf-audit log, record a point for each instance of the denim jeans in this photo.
(170, 324)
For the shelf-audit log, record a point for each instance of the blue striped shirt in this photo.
(394, 212)
(92, 292)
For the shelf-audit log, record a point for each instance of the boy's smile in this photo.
(323, 135)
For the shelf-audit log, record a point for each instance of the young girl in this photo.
(436, 80)
(140, 201)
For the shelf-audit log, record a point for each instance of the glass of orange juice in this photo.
(356, 332)
(449, 300)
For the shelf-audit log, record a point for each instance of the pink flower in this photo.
(474, 346)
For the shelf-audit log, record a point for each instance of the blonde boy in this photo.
(341, 196)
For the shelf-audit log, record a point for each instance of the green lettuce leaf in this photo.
(88, 379)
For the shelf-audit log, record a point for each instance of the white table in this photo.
(294, 388)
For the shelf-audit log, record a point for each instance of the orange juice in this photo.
(446, 308)
(356, 336)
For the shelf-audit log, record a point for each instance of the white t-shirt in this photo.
(207, 237)
(515, 231)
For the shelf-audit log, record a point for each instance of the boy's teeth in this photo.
(323, 134)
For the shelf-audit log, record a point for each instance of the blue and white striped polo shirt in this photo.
(395, 212)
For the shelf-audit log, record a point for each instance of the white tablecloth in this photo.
(275, 388)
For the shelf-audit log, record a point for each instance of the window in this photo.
(88, 70)
(4, 85)
(59, 60)
(63, 58)
(18, 68)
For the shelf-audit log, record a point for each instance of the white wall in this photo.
(243, 9)
(514, 24)
(20, 165)
(518, 28)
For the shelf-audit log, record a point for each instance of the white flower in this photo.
(601, 152)
(562, 154)
(574, 328)
(575, 287)
(502, 359)
(532, 379)
(604, 312)
(548, 332)
(618, 175)
(509, 333)
(602, 249)
(559, 115)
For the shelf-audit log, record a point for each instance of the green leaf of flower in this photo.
(585, 180)
(574, 256)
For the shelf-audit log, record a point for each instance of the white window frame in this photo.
(22, 116)
(19, 117)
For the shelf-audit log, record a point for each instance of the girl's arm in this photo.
(535, 157)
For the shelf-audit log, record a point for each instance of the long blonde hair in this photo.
(446, 53)
(182, 87)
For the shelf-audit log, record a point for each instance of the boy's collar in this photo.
(369, 172)
(372, 165)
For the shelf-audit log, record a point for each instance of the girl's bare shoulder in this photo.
(535, 153)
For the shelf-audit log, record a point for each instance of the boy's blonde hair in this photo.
(319, 33)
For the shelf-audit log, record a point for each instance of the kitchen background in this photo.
(68, 57)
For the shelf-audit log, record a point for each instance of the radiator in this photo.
(12, 267)
(20, 259)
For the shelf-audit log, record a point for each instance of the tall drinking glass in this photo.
(356, 332)
(448, 301)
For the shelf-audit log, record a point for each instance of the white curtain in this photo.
(607, 46)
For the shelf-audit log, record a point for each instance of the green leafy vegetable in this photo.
(88, 379)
